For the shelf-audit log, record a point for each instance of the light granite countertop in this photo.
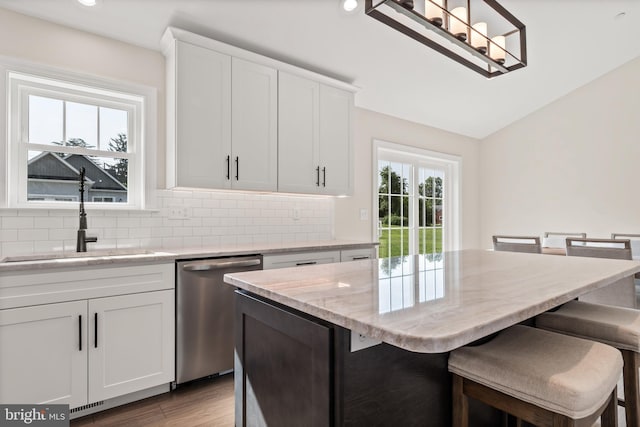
(151, 256)
(434, 304)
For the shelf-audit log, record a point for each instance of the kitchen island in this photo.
(297, 329)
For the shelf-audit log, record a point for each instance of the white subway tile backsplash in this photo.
(213, 219)
(20, 222)
(25, 234)
(48, 222)
(8, 235)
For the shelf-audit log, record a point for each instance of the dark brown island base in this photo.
(296, 370)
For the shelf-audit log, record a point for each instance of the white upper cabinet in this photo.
(336, 152)
(199, 131)
(298, 134)
(314, 144)
(254, 130)
(239, 120)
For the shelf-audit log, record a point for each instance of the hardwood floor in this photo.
(206, 402)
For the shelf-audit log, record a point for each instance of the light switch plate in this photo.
(364, 214)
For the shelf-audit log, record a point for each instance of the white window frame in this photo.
(22, 78)
(452, 166)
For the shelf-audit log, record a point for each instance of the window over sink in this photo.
(59, 125)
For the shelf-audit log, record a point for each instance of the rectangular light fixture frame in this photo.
(519, 28)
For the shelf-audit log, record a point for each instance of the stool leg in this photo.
(609, 417)
(631, 396)
(460, 403)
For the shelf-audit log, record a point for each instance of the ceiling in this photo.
(569, 43)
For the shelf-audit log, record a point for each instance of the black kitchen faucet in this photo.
(83, 239)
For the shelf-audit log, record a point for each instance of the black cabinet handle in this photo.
(95, 334)
(237, 167)
(228, 166)
(306, 263)
(80, 332)
(356, 258)
(318, 176)
(324, 177)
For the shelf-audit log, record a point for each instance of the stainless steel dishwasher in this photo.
(204, 315)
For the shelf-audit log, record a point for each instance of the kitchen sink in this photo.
(75, 255)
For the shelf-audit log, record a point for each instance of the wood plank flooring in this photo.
(206, 402)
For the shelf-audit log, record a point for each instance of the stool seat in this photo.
(562, 374)
(616, 326)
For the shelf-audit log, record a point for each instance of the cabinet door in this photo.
(335, 141)
(131, 343)
(298, 133)
(254, 126)
(283, 367)
(202, 118)
(43, 356)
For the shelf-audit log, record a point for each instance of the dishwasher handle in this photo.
(218, 265)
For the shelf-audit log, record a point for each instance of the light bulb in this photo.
(432, 12)
(478, 36)
(87, 2)
(458, 27)
(349, 5)
(497, 49)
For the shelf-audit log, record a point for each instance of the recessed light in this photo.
(87, 2)
(349, 5)
(620, 16)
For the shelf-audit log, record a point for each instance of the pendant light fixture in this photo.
(479, 34)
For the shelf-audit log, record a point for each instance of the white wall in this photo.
(369, 125)
(571, 166)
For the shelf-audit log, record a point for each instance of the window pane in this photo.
(113, 129)
(396, 182)
(113, 173)
(383, 177)
(383, 210)
(54, 177)
(395, 217)
(438, 212)
(82, 125)
(51, 178)
(45, 120)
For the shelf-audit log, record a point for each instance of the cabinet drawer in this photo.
(59, 285)
(357, 254)
(299, 259)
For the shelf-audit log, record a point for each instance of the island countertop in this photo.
(434, 303)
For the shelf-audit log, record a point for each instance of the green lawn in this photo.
(395, 242)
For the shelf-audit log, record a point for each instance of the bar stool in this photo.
(527, 244)
(538, 376)
(615, 326)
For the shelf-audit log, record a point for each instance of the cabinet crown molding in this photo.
(172, 33)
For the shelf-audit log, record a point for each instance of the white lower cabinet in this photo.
(131, 344)
(97, 346)
(43, 354)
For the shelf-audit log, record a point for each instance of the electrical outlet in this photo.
(360, 342)
(178, 212)
(295, 214)
(364, 214)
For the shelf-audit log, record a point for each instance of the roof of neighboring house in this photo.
(52, 166)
